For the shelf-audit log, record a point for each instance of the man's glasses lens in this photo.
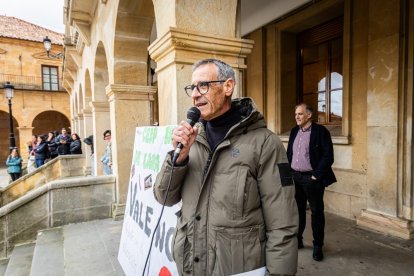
(202, 87)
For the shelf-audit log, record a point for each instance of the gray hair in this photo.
(308, 107)
(224, 71)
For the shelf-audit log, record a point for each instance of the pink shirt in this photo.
(300, 157)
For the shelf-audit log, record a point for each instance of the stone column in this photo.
(197, 35)
(101, 122)
(131, 106)
(80, 127)
(175, 53)
(25, 135)
(385, 104)
(74, 124)
(88, 130)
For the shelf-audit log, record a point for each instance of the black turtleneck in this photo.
(218, 127)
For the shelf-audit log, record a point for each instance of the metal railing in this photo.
(29, 83)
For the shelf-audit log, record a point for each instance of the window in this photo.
(50, 78)
(320, 71)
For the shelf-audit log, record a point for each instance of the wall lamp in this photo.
(47, 43)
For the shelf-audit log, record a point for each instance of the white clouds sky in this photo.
(45, 13)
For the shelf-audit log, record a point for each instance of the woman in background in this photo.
(31, 146)
(75, 145)
(52, 145)
(40, 151)
(14, 164)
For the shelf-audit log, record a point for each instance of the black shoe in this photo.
(300, 244)
(317, 253)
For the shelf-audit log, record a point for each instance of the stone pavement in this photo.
(350, 250)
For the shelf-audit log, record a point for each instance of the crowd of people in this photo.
(45, 147)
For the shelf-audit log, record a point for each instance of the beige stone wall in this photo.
(21, 63)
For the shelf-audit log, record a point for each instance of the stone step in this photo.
(20, 260)
(91, 248)
(3, 266)
(48, 259)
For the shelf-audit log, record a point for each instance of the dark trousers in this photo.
(308, 190)
(15, 176)
(39, 162)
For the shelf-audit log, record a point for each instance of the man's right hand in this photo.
(186, 135)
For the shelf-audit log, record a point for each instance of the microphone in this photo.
(193, 115)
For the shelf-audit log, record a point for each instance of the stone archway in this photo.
(131, 94)
(132, 37)
(5, 135)
(100, 104)
(101, 75)
(49, 121)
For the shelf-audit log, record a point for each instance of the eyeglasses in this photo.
(202, 87)
(108, 135)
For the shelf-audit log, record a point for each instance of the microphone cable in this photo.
(159, 220)
(193, 115)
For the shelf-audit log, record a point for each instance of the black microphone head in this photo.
(193, 115)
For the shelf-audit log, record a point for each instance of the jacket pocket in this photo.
(182, 248)
(240, 195)
(239, 249)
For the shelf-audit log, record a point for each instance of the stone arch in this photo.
(5, 135)
(133, 27)
(101, 76)
(50, 120)
(87, 90)
(76, 106)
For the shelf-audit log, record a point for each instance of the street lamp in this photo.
(47, 43)
(9, 92)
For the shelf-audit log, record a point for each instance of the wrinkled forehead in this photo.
(204, 72)
(301, 109)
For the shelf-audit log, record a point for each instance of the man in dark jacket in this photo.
(238, 210)
(310, 154)
(63, 140)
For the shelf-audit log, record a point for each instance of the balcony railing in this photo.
(28, 82)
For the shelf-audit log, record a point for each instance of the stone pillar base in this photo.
(394, 226)
(118, 211)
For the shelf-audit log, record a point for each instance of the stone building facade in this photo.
(127, 61)
(40, 103)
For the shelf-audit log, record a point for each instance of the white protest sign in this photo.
(142, 210)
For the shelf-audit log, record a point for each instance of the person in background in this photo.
(310, 154)
(107, 158)
(63, 141)
(41, 151)
(31, 146)
(232, 176)
(52, 145)
(89, 141)
(14, 164)
(75, 145)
